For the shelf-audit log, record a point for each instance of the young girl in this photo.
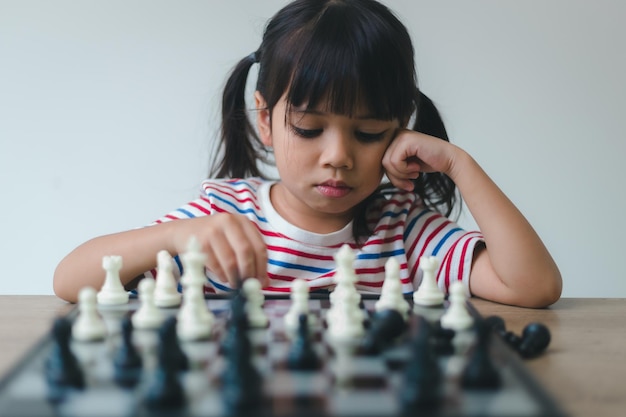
(335, 96)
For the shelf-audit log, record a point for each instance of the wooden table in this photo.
(583, 368)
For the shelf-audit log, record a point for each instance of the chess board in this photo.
(368, 386)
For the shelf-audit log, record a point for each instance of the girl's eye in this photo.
(306, 133)
(370, 137)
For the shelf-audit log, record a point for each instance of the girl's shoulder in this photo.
(234, 194)
(219, 186)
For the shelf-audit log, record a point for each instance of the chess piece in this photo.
(535, 339)
(148, 316)
(456, 316)
(428, 293)
(168, 338)
(391, 296)
(127, 362)
(241, 381)
(193, 264)
(195, 320)
(299, 305)
(423, 379)
(480, 372)
(112, 291)
(386, 326)
(345, 326)
(89, 326)
(165, 293)
(345, 278)
(345, 312)
(62, 368)
(165, 390)
(302, 356)
(254, 306)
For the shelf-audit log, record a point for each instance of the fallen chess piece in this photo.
(534, 340)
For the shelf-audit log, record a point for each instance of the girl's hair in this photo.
(349, 54)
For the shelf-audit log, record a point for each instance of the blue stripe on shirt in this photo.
(219, 286)
(394, 214)
(411, 225)
(443, 239)
(387, 254)
(300, 267)
(246, 183)
(186, 213)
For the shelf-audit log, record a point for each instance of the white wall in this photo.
(107, 110)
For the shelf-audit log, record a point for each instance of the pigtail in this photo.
(240, 147)
(436, 189)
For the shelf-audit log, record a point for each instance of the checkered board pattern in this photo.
(367, 386)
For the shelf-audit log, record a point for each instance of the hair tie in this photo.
(253, 57)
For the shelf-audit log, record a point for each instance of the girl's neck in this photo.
(304, 217)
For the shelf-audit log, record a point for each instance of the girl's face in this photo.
(328, 163)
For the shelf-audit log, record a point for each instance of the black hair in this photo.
(347, 53)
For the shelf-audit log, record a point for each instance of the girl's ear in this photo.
(263, 119)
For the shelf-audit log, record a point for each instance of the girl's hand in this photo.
(412, 152)
(234, 246)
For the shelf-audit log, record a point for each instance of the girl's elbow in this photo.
(62, 287)
(548, 292)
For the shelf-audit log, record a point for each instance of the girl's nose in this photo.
(337, 152)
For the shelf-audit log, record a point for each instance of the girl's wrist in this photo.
(460, 163)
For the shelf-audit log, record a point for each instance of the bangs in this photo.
(344, 64)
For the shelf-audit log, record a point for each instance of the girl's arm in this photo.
(233, 245)
(515, 267)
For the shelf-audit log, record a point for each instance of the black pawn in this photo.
(535, 339)
(237, 323)
(241, 382)
(442, 340)
(127, 362)
(165, 390)
(302, 356)
(386, 326)
(62, 369)
(480, 372)
(423, 384)
(168, 338)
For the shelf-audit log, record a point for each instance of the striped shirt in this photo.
(402, 228)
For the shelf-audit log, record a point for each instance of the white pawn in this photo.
(89, 326)
(254, 303)
(299, 305)
(456, 316)
(428, 294)
(148, 316)
(391, 296)
(193, 264)
(165, 292)
(112, 291)
(195, 320)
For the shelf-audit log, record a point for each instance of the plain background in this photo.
(108, 110)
